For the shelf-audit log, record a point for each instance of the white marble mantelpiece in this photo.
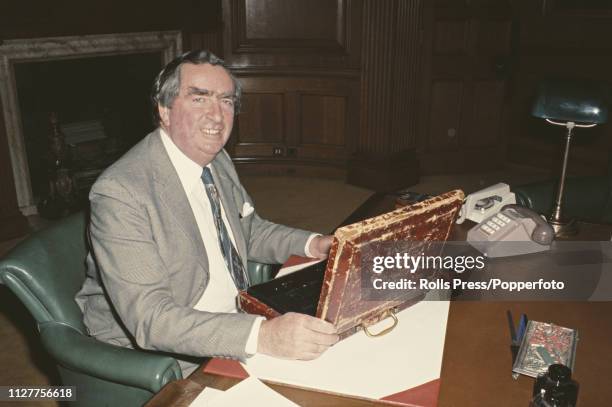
(167, 43)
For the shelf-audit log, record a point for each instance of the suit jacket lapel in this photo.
(171, 192)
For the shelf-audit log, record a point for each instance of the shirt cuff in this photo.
(252, 341)
(306, 249)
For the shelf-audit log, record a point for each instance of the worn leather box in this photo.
(333, 290)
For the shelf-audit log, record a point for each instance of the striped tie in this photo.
(230, 254)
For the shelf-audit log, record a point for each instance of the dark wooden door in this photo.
(298, 61)
(465, 98)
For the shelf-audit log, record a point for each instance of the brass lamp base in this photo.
(563, 228)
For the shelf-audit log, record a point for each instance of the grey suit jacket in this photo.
(149, 267)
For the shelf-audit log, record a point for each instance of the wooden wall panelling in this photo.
(445, 115)
(32, 18)
(325, 125)
(202, 26)
(389, 74)
(572, 8)
(314, 22)
(260, 125)
(487, 115)
(261, 118)
(323, 119)
(278, 34)
(292, 90)
(404, 116)
(297, 119)
(327, 120)
(211, 41)
(464, 94)
(306, 53)
(390, 69)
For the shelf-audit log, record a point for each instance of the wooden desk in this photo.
(476, 366)
(477, 359)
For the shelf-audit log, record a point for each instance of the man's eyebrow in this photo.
(231, 94)
(192, 90)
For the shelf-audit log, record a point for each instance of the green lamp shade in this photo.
(572, 101)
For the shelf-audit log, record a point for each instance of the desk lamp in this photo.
(569, 104)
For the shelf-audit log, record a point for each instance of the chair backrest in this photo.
(47, 269)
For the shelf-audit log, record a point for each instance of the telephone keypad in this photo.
(495, 223)
(511, 225)
(487, 229)
(503, 217)
(499, 222)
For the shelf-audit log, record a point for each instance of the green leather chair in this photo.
(45, 271)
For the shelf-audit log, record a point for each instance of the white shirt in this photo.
(220, 293)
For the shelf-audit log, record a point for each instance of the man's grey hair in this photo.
(167, 84)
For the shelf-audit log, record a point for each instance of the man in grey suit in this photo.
(172, 228)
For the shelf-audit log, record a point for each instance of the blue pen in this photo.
(522, 327)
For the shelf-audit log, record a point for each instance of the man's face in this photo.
(202, 115)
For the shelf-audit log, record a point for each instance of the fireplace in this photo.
(92, 119)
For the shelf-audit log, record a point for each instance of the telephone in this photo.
(513, 231)
(486, 202)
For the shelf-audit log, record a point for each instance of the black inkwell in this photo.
(555, 388)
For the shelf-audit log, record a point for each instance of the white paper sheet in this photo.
(205, 397)
(242, 394)
(408, 356)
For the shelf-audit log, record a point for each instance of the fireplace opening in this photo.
(99, 105)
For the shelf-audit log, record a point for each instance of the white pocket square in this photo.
(247, 209)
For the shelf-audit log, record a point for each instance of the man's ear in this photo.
(164, 115)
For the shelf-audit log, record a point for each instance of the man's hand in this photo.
(296, 336)
(319, 246)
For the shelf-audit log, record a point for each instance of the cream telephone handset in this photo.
(486, 202)
(513, 231)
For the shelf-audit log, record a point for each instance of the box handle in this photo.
(388, 313)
